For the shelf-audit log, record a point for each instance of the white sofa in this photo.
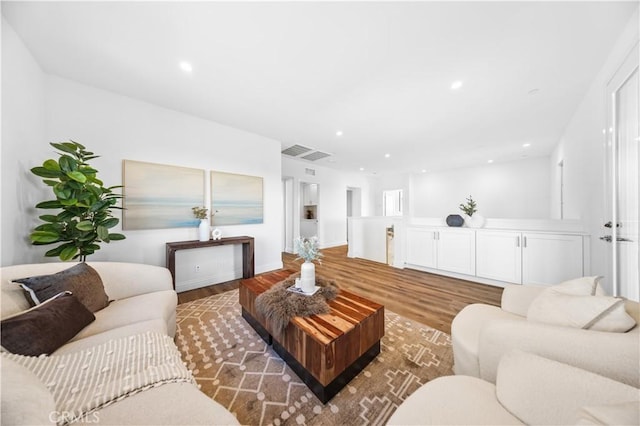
(143, 300)
(482, 334)
(529, 390)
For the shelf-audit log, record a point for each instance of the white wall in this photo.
(582, 148)
(332, 203)
(117, 128)
(515, 190)
(382, 183)
(23, 130)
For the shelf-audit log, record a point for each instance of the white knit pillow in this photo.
(580, 303)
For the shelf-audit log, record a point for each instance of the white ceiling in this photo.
(381, 72)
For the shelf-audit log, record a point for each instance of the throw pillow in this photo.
(25, 399)
(600, 313)
(583, 286)
(45, 327)
(82, 280)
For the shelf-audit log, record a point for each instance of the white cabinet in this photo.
(441, 248)
(518, 257)
(528, 257)
(549, 259)
(457, 251)
(499, 255)
(421, 247)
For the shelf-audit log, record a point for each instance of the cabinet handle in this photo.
(524, 242)
(518, 241)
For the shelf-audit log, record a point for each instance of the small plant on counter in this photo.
(470, 207)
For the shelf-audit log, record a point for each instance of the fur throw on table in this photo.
(279, 306)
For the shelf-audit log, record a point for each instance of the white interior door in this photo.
(622, 176)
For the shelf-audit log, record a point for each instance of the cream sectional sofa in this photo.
(142, 300)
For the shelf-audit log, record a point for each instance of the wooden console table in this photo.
(248, 268)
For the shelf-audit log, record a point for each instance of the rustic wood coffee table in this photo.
(326, 351)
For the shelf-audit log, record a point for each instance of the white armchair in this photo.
(529, 390)
(482, 334)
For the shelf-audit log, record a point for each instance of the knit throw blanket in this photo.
(279, 306)
(85, 381)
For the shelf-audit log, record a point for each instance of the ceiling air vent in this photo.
(305, 153)
(311, 172)
(296, 150)
(318, 155)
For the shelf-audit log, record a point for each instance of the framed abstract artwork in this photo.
(236, 199)
(158, 196)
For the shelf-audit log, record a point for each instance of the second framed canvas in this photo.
(236, 199)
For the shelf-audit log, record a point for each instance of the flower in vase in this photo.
(307, 249)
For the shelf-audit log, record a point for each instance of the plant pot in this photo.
(308, 277)
(203, 230)
(475, 221)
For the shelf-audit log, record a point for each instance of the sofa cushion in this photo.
(156, 325)
(541, 391)
(25, 399)
(45, 327)
(453, 400)
(82, 280)
(599, 313)
(157, 305)
(169, 404)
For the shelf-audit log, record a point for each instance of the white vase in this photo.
(308, 277)
(203, 230)
(475, 221)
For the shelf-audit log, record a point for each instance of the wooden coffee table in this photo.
(326, 351)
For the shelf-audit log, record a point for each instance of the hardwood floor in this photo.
(427, 298)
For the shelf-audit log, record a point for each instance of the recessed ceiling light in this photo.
(456, 85)
(339, 133)
(526, 145)
(424, 170)
(490, 161)
(186, 66)
(362, 169)
(387, 155)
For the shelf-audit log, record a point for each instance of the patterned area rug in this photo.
(236, 368)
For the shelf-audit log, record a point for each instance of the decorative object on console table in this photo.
(455, 220)
(470, 209)
(203, 227)
(216, 234)
(308, 249)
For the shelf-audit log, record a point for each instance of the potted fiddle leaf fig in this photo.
(84, 205)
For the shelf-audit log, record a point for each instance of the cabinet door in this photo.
(549, 259)
(499, 256)
(421, 247)
(457, 251)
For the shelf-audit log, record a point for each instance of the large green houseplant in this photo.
(85, 205)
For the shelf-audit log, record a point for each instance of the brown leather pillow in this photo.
(45, 327)
(81, 280)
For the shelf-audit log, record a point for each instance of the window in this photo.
(392, 202)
